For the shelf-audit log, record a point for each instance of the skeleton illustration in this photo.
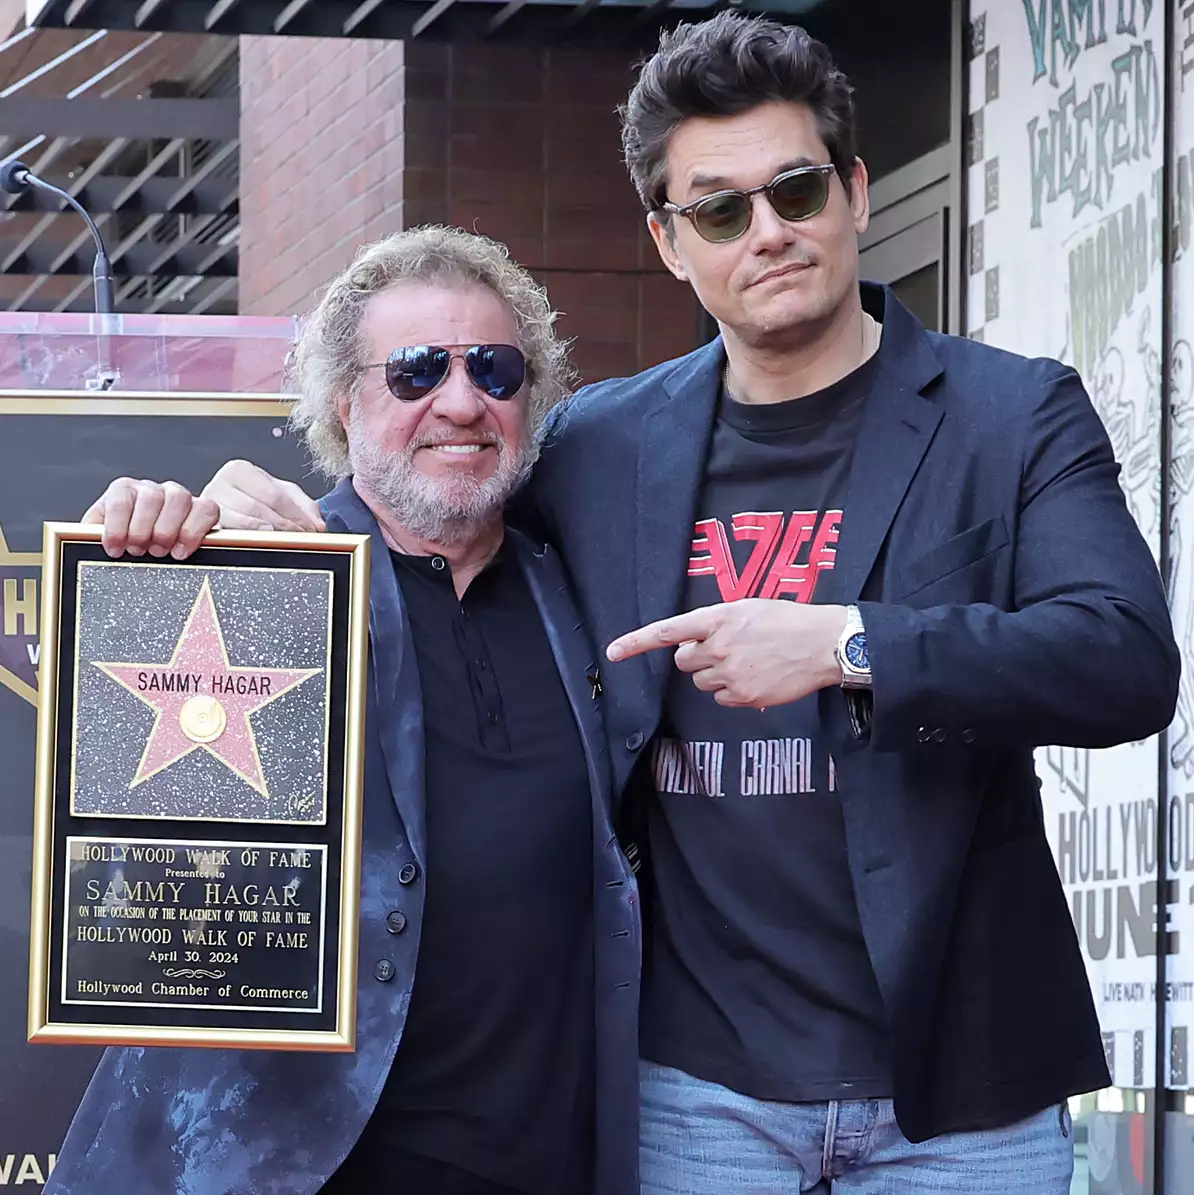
(1181, 474)
(1134, 426)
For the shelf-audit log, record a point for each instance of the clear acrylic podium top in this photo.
(144, 354)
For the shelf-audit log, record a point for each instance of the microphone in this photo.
(16, 177)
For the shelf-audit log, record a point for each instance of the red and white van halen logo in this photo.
(786, 561)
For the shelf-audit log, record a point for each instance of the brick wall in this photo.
(321, 161)
(345, 141)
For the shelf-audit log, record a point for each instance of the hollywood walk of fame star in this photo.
(201, 701)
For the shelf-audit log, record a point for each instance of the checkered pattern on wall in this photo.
(982, 307)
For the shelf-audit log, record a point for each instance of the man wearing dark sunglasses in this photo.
(496, 1047)
(887, 565)
(890, 564)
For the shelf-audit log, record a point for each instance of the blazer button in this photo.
(922, 734)
(396, 922)
(938, 735)
(409, 873)
(968, 735)
(634, 741)
(383, 970)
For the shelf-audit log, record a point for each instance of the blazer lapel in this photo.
(398, 701)
(898, 424)
(574, 658)
(670, 463)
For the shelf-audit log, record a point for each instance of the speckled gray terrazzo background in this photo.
(269, 619)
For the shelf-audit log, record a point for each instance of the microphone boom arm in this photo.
(15, 177)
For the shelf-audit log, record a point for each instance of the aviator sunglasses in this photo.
(725, 215)
(412, 373)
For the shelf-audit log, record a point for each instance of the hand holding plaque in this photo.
(197, 831)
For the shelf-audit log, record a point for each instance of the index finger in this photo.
(114, 510)
(300, 507)
(667, 632)
(241, 487)
(283, 499)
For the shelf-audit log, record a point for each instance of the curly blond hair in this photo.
(328, 356)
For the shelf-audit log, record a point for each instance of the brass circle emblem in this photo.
(202, 719)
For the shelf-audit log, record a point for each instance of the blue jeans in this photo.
(699, 1138)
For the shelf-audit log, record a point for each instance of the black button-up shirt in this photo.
(495, 1070)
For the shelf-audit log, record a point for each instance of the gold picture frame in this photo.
(142, 876)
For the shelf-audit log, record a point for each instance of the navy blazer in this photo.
(223, 1122)
(1010, 601)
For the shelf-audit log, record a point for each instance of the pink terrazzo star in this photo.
(199, 668)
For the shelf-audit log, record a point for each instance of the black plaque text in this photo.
(180, 923)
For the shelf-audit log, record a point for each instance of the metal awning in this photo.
(591, 22)
(160, 173)
(156, 164)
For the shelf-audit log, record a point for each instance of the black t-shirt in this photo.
(758, 977)
(495, 1071)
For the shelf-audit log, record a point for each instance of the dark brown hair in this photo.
(723, 67)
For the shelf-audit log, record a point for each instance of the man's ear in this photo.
(343, 405)
(662, 228)
(860, 196)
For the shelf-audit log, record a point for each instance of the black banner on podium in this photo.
(56, 457)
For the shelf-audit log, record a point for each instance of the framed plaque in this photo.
(197, 826)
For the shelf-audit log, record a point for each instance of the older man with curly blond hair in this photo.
(496, 1043)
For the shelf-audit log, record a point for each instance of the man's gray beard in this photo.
(443, 510)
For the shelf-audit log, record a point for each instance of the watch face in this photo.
(856, 653)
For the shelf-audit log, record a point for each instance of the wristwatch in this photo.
(851, 652)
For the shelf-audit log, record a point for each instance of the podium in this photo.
(85, 399)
